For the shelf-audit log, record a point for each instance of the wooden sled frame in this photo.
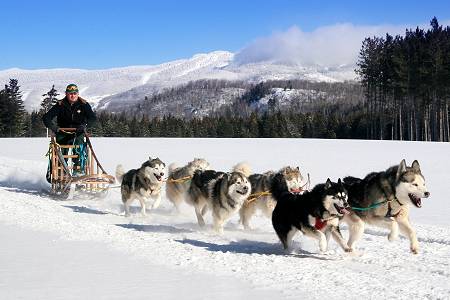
(94, 181)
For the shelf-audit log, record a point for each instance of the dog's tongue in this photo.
(345, 211)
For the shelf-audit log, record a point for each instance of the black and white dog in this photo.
(222, 193)
(141, 184)
(297, 212)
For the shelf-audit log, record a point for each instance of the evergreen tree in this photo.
(14, 114)
(50, 99)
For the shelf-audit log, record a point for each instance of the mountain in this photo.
(105, 87)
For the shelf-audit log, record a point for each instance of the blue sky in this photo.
(104, 34)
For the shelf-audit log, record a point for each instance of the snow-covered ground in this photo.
(83, 249)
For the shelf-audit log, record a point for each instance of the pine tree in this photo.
(49, 100)
(14, 117)
(4, 113)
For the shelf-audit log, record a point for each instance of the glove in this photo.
(81, 129)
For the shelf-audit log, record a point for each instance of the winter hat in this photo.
(72, 88)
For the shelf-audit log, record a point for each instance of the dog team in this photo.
(381, 198)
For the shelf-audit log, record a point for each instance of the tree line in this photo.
(334, 123)
(407, 84)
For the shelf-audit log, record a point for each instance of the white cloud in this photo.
(330, 46)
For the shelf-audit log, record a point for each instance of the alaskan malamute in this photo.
(141, 183)
(179, 180)
(383, 199)
(294, 212)
(287, 178)
(222, 193)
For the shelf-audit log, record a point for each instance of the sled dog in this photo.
(294, 212)
(222, 193)
(179, 180)
(141, 184)
(290, 179)
(383, 199)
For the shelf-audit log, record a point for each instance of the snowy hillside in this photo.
(88, 249)
(134, 82)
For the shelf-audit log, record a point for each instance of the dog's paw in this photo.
(247, 228)
(219, 231)
(392, 236)
(348, 249)
(415, 250)
(323, 245)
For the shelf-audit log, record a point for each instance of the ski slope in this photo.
(83, 249)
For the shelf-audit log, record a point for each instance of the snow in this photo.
(97, 85)
(87, 249)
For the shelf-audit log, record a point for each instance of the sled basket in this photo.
(88, 177)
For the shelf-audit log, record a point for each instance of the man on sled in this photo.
(70, 112)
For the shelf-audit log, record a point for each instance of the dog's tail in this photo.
(172, 167)
(243, 168)
(120, 171)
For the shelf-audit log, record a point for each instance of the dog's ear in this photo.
(339, 182)
(400, 170)
(298, 168)
(415, 165)
(224, 184)
(328, 184)
(149, 158)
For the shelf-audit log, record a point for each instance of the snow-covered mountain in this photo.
(134, 82)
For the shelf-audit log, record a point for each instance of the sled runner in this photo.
(85, 177)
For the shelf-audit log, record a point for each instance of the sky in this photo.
(105, 34)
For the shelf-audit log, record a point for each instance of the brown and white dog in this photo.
(261, 199)
(179, 180)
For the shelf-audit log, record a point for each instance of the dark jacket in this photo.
(69, 116)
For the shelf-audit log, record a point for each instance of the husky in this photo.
(290, 179)
(179, 180)
(383, 199)
(141, 184)
(222, 193)
(293, 212)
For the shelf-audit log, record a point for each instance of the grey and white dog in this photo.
(222, 193)
(179, 180)
(261, 198)
(383, 199)
(141, 184)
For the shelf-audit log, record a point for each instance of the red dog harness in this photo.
(320, 223)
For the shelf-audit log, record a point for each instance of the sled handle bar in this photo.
(70, 129)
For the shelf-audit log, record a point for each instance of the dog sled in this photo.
(87, 178)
